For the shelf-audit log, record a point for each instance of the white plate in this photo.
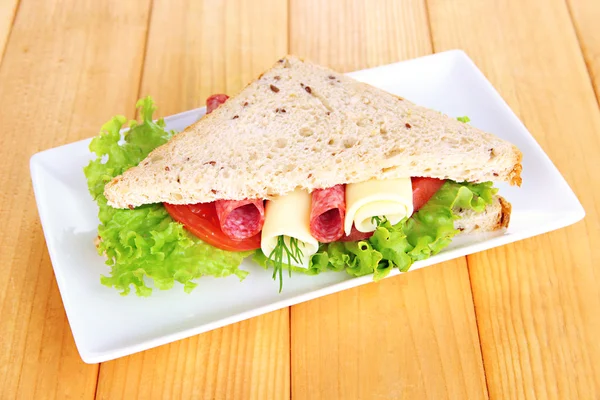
(106, 325)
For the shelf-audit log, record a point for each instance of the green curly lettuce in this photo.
(424, 234)
(145, 243)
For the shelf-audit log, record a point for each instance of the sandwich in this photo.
(305, 170)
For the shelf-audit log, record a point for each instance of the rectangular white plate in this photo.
(106, 325)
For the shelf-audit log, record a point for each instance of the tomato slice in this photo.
(424, 189)
(355, 236)
(201, 220)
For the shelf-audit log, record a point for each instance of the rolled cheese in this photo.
(390, 198)
(289, 216)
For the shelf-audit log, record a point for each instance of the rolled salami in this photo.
(327, 213)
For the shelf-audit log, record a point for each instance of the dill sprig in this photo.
(377, 220)
(276, 257)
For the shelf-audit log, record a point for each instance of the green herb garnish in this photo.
(291, 251)
(464, 119)
(377, 220)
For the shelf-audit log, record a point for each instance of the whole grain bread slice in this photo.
(300, 125)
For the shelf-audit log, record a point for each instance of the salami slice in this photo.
(240, 219)
(215, 101)
(327, 213)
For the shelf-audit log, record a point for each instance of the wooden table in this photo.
(521, 321)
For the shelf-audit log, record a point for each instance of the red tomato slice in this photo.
(424, 189)
(355, 236)
(201, 220)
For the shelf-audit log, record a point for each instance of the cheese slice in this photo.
(390, 198)
(289, 216)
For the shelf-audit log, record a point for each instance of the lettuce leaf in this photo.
(146, 243)
(432, 228)
(424, 234)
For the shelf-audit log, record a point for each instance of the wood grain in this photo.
(357, 34)
(59, 82)
(8, 9)
(537, 301)
(247, 360)
(407, 337)
(412, 336)
(585, 15)
(204, 47)
(194, 50)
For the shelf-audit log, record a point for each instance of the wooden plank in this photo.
(412, 336)
(409, 337)
(194, 50)
(537, 301)
(8, 9)
(357, 34)
(585, 15)
(60, 80)
(203, 47)
(247, 360)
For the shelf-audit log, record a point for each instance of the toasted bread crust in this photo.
(504, 218)
(514, 176)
